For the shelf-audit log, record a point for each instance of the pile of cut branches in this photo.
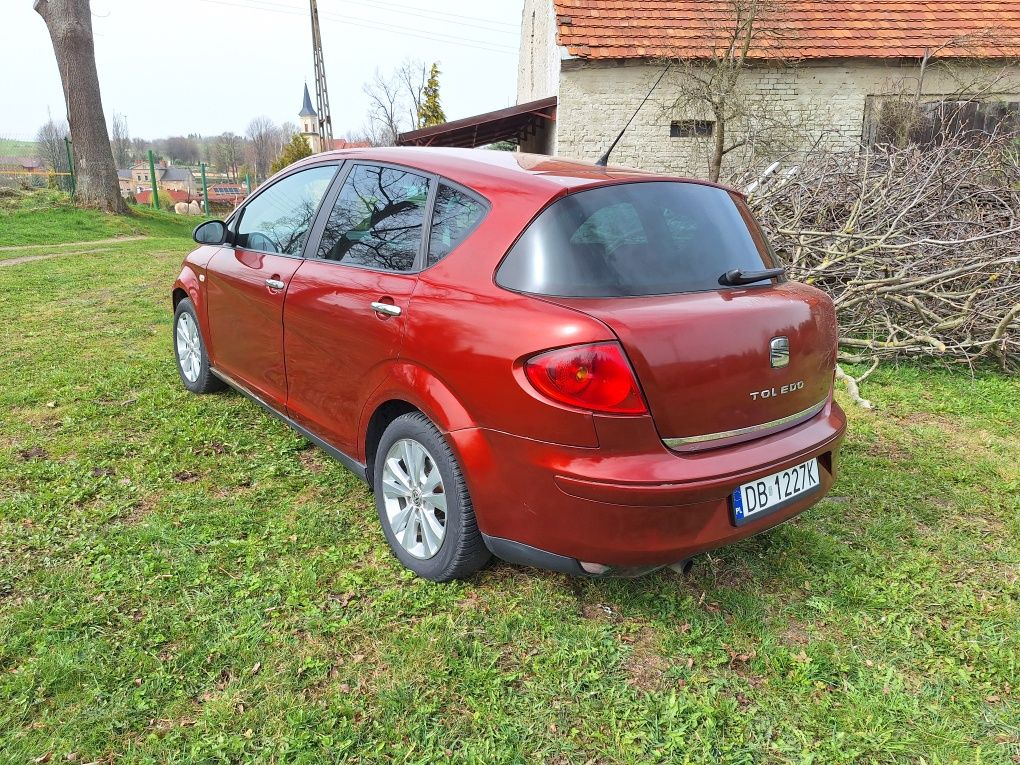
(919, 247)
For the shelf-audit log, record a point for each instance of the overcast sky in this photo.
(175, 67)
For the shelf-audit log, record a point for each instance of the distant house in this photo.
(226, 193)
(136, 179)
(22, 165)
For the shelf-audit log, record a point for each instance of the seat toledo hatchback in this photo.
(588, 369)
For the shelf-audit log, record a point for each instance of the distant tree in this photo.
(386, 109)
(430, 112)
(263, 144)
(297, 148)
(287, 129)
(229, 153)
(69, 23)
(182, 149)
(50, 147)
(413, 75)
(139, 147)
(120, 140)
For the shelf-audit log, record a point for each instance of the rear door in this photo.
(717, 364)
(247, 282)
(348, 303)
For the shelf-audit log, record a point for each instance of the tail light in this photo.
(594, 377)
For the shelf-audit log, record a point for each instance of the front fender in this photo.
(191, 281)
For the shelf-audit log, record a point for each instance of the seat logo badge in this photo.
(779, 352)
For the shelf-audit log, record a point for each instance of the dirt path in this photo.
(30, 258)
(114, 240)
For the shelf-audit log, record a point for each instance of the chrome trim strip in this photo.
(792, 419)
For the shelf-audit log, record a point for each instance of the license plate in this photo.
(757, 498)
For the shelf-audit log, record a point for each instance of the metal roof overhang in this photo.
(511, 124)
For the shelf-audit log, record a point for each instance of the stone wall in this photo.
(827, 102)
(538, 70)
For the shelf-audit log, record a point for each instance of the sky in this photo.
(175, 67)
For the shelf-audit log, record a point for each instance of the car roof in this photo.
(485, 169)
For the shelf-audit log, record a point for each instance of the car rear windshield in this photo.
(648, 238)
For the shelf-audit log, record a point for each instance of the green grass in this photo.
(48, 217)
(13, 147)
(182, 579)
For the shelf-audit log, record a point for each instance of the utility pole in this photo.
(321, 96)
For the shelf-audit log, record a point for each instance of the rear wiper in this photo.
(738, 278)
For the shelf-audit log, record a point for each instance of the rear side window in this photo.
(653, 238)
(377, 220)
(455, 216)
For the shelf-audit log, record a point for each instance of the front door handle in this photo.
(275, 284)
(387, 308)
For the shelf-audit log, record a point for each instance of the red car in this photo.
(592, 370)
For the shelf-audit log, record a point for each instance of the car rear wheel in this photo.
(189, 349)
(423, 502)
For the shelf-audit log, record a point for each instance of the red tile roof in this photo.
(145, 197)
(342, 143)
(807, 29)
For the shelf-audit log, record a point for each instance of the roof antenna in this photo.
(604, 159)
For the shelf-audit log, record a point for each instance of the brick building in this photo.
(829, 70)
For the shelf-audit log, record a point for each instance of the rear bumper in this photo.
(631, 502)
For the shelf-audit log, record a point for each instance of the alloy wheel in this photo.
(414, 498)
(189, 347)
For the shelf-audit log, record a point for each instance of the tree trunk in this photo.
(718, 149)
(70, 26)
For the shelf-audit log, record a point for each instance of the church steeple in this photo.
(307, 110)
(310, 123)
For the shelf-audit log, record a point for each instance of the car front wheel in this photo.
(423, 502)
(189, 349)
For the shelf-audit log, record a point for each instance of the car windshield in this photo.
(648, 238)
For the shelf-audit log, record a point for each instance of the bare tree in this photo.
(120, 140)
(386, 109)
(905, 115)
(263, 145)
(413, 76)
(69, 23)
(710, 82)
(50, 147)
(229, 153)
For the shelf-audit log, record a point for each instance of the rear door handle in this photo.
(387, 308)
(275, 284)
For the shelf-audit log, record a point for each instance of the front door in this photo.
(246, 283)
(348, 303)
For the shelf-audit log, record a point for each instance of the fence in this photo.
(29, 164)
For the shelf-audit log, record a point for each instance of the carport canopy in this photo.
(512, 124)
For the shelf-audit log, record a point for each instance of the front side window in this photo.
(377, 220)
(455, 216)
(631, 239)
(278, 219)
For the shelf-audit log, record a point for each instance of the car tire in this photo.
(423, 502)
(189, 351)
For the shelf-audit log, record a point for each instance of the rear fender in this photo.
(422, 389)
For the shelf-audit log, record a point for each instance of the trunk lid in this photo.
(704, 359)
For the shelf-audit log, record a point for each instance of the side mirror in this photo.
(211, 232)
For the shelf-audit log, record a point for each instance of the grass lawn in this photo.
(183, 579)
(14, 147)
(46, 217)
